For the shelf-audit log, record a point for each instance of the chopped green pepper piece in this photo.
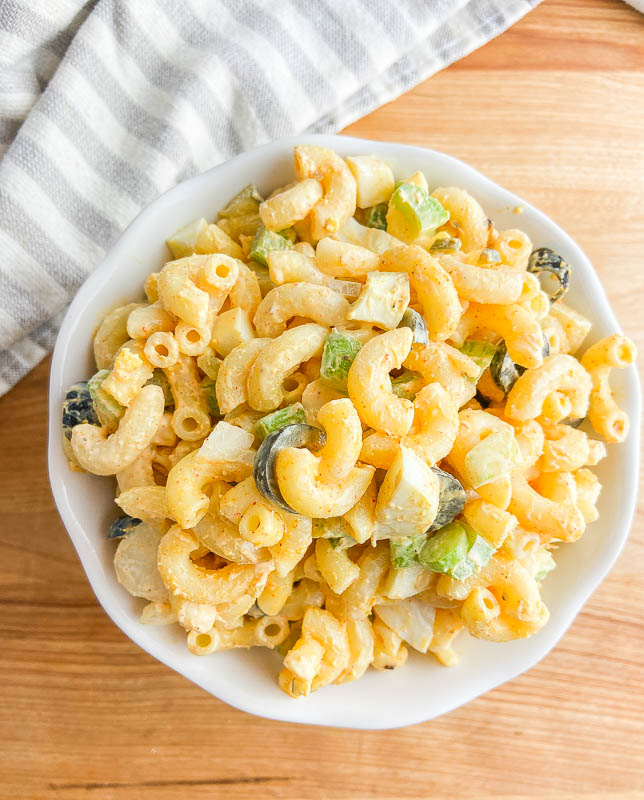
(404, 552)
(159, 379)
(245, 202)
(407, 385)
(481, 353)
(446, 244)
(337, 357)
(331, 528)
(209, 389)
(418, 210)
(414, 321)
(376, 216)
(264, 242)
(108, 409)
(278, 419)
(489, 256)
(446, 548)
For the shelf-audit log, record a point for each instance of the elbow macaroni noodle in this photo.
(479, 384)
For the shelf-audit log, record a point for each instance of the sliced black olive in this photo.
(122, 526)
(412, 319)
(451, 500)
(504, 371)
(545, 260)
(298, 435)
(481, 399)
(78, 408)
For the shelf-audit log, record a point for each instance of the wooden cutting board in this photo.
(554, 110)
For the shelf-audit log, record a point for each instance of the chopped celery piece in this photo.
(446, 244)
(457, 550)
(545, 564)
(108, 410)
(446, 548)
(376, 216)
(209, 389)
(404, 552)
(481, 353)
(413, 210)
(490, 459)
(278, 419)
(245, 202)
(264, 242)
(407, 385)
(159, 379)
(337, 357)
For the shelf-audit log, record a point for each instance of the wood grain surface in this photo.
(554, 110)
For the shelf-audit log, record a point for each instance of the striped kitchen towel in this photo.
(105, 104)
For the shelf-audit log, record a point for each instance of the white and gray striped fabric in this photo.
(105, 104)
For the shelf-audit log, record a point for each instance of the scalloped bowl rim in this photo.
(379, 700)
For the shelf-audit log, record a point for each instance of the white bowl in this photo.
(246, 679)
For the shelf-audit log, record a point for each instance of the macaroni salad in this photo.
(345, 422)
